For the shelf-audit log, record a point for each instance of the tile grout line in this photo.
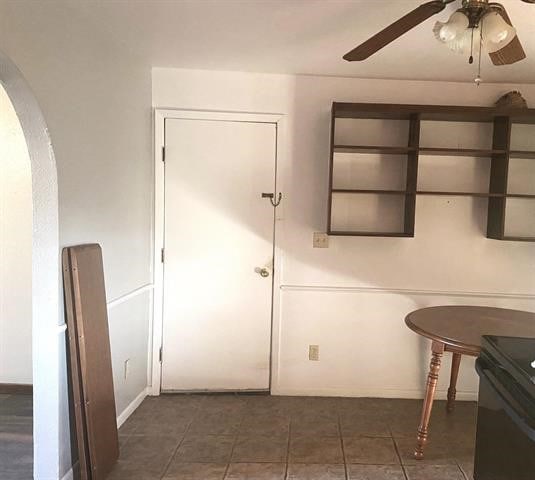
(342, 443)
(463, 473)
(186, 431)
(236, 435)
(287, 466)
(398, 454)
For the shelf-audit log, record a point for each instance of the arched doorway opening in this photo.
(47, 321)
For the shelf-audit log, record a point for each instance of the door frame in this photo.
(156, 330)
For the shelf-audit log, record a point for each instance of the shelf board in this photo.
(460, 152)
(433, 192)
(370, 234)
(431, 112)
(520, 195)
(373, 149)
(386, 192)
(453, 152)
(459, 194)
(522, 154)
(518, 239)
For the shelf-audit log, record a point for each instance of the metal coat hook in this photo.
(271, 196)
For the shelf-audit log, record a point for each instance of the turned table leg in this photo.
(455, 362)
(437, 350)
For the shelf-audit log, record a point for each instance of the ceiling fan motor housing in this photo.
(475, 10)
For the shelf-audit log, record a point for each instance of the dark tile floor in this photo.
(16, 443)
(205, 437)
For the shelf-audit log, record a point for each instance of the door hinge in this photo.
(163, 154)
(163, 255)
(161, 354)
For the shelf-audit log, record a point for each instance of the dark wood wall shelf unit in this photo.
(401, 200)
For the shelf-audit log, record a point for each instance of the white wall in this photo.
(95, 96)
(351, 298)
(15, 249)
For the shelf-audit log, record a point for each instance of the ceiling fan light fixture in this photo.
(466, 42)
(453, 28)
(497, 33)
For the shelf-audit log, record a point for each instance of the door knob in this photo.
(263, 272)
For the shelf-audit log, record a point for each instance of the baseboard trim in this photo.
(130, 409)
(370, 393)
(16, 388)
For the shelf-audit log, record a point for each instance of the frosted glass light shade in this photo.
(453, 28)
(463, 42)
(497, 33)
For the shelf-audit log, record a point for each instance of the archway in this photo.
(47, 323)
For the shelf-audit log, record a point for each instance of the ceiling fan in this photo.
(477, 24)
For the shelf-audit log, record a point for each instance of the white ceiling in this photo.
(297, 36)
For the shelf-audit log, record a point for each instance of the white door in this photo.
(218, 254)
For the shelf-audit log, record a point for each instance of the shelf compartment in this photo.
(521, 177)
(383, 132)
(454, 174)
(460, 152)
(373, 149)
(522, 137)
(455, 137)
(519, 218)
(369, 171)
(373, 213)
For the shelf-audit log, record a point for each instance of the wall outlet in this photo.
(320, 240)
(126, 368)
(314, 352)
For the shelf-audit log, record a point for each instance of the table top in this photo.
(462, 327)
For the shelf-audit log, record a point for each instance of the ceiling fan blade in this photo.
(395, 30)
(512, 52)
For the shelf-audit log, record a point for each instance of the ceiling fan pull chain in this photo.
(471, 59)
(478, 78)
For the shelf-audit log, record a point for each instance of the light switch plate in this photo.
(320, 240)
(314, 352)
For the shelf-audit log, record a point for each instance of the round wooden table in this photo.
(458, 329)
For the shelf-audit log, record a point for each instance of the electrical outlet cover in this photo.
(314, 352)
(320, 240)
